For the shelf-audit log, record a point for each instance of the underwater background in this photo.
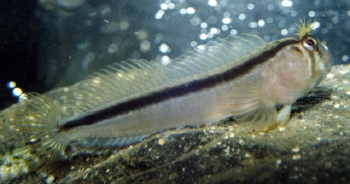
(46, 44)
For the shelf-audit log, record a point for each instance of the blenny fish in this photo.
(241, 76)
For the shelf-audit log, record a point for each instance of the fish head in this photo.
(318, 57)
(298, 66)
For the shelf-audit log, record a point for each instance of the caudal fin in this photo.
(36, 118)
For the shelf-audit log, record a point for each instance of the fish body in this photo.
(242, 77)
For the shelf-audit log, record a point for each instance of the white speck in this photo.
(141, 34)
(227, 14)
(296, 157)
(96, 80)
(250, 6)
(284, 32)
(270, 7)
(164, 48)
(278, 162)
(329, 76)
(161, 141)
(345, 58)
(145, 46)
(224, 27)
(347, 93)
(165, 60)
(120, 75)
(11, 84)
(201, 47)
(164, 6)
(287, 3)
(112, 48)
(231, 135)
(266, 38)
(171, 5)
(336, 105)
(183, 11)
(241, 16)
(17, 92)
(281, 128)
(195, 21)
(159, 14)
(215, 30)
(233, 32)
(212, 2)
(295, 149)
(204, 25)
(203, 36)
(261, 23)
(315, 25)
(253, 24)
(210, 35)
(312, 14)
(191, 10)
(293, 13)
(194, 44)
(124, 25)
(50, 179)
(226, 20)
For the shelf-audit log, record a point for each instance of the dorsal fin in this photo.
(305, 28)
(134, 78)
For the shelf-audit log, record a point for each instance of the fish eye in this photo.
(310, 43)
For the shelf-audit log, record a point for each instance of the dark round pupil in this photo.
(310, 42)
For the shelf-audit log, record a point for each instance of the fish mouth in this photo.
(329, 61)
(326, 58)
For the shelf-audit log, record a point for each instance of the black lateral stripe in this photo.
(180, 90)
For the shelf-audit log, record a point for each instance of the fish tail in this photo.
(36, 119)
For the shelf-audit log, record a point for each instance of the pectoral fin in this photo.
(251, 108)
(284, 114)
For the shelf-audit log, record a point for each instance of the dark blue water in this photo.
(53, 43)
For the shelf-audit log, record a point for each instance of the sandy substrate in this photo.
(313, 147)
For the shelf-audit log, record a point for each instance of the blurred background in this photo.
(45, 44)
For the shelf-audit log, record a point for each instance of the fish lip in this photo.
(327, 58)
(330, 61)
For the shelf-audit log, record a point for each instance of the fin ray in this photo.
(133, 78)
(35, 117)
(109, 142)
(249, 106)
